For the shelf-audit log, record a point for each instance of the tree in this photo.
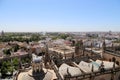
(63, 36)
(35, 37)
(16, 48)
(15, 63)
(7, 52)
(5, 68)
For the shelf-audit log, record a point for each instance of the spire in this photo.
(81, 42)
(47, 57)
(82, 47)
(104, 46)
(91, 45)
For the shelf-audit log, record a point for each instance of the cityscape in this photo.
(60, 56)
(59, 40)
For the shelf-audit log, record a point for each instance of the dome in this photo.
(46, 75)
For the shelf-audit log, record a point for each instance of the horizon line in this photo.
(52, 31)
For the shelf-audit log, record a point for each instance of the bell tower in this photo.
(103, 48)
(47, 56)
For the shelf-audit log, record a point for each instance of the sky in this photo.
(59, 15)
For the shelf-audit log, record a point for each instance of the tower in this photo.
(103, 48)
(82, 47)
(79, 48)
(2, 33)
(37, 63)
(91, 46)
(47, 56)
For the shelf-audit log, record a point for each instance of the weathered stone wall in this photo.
(108, 56)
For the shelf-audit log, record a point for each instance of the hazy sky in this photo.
(59, 15)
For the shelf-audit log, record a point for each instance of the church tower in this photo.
(47, 56)
(79, 48)
(103, 48)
